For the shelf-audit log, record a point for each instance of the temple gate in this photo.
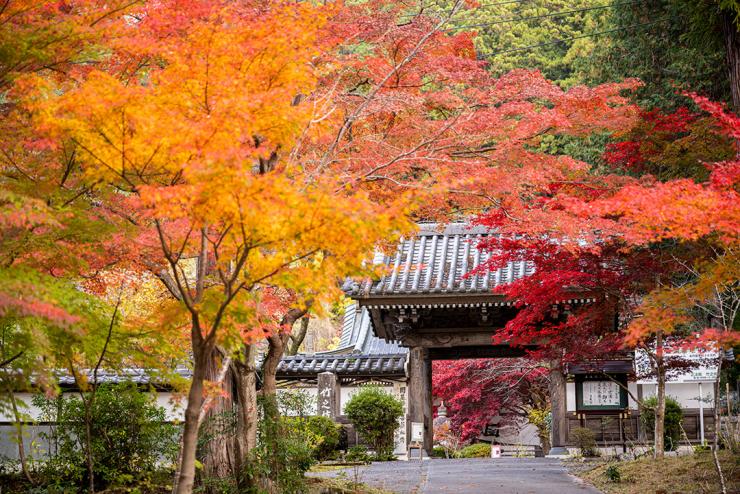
(428, 303)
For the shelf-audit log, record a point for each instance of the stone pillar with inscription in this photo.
(328, 395)
(420, 395)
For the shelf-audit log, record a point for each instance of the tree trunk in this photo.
(732, 54)
(186, 470)
(718, 425)
(88, 446)
(230, 425)
(660, 405)
(296, 340)
(559, 408)
(277, 343)
(246, 388)
(218, 427)
(19, 432)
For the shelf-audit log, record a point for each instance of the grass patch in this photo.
(691, 474)
(318, 485)
(322, 467)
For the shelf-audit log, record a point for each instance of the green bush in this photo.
(358, 454)
(613, 474)
(585, 440)
(129, 437)
(329, 432)
(284, 452)
(322, 431)
(375, 415)
(438, 452)
(673, 420)
(477, 450)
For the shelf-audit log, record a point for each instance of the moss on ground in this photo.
(692, 474)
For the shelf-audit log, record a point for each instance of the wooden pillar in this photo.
(428, 415)
(559, 411)
(328, 395)
(420, 394)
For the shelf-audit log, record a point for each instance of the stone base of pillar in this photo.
(558, 452)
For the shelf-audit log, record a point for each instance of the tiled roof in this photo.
(134, 375)
(621, 365)
(435, 261)
(358, 337)
(342, 365)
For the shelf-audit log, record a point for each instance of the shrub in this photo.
(358, 454)
(284, 452)
(478, 450)
(129, 437)
(439, 452)
(613, 474)
(328, 432)
(585, 440)
(375, 415)
(673, 420)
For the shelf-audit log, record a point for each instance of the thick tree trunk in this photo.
(218, 426)
(272, 360)
(660, 396)
(732, 55)
(231, 424)
(558, 406)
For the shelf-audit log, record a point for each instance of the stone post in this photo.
(328, 395)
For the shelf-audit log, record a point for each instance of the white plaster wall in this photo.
(312, 393)
(24, 407)
(570, 396)
(632, 404)
(687, 394)
(347, 392)
(172, 403)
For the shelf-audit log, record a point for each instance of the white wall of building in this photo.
(687, 394)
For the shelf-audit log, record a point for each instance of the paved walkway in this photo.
(471, 476)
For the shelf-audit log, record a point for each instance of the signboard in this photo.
(597, 392)
(703, 370)
(417, 432)
(600, 393)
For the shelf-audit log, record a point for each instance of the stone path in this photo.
(471, 476)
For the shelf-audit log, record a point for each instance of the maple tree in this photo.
(194, 144)
(625, 241)
(511, 388)
(247, 155)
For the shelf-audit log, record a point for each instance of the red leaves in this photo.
(477, 390)
(25, 306)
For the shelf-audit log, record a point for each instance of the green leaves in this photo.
(375, 414)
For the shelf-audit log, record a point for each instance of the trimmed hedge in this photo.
(477, 450)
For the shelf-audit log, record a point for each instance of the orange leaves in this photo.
(221, 96)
